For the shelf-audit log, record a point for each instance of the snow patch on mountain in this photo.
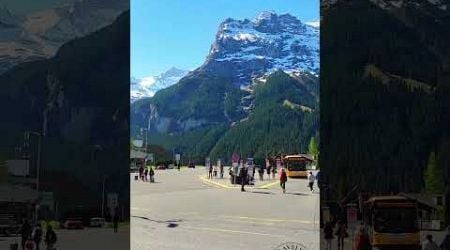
(148, 86)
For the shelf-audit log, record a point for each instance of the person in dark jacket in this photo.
(25, 232)
(221, 170)
(328, 235)
(141, 172)
(116, 220)
(283, 179)
(152, 175)
(37, 235)
(50, 238)
(243, 175)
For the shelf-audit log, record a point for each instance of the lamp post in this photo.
(103, 197)
(38, 165)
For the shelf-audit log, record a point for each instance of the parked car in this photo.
(161, 167)
(97, 222)
(73, 223)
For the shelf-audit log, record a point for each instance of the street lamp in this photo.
(27, 137)
(103, 197)
(38, 163)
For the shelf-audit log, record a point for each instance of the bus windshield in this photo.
(296, 166)
(395, 220)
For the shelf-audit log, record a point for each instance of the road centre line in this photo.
(244, 217)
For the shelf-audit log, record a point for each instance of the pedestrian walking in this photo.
(362, 238)
(215, 171)
(261, 173)
(274, 171)
(25, 232)
(430, 244)
(50, 238)
(328, 235)
(283, 179)
(145, 174)
(341, 233)
(210, 172)
(319, 180)
(221, 171)
(37, 235)
(311, 180)
(141, 172)
(152, 175)
(243, 175)
(116, 221)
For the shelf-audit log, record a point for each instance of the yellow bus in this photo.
(392, 222)
(297, 166)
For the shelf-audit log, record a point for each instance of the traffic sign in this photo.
(177, 158)
(235, 157)
(150, 157)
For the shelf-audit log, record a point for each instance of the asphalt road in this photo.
(183, 211)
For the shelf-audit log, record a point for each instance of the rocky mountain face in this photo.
(148, 86)
(39, 35)
(244, 49)
(64, 98)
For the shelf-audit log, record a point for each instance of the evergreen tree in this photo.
(434, 182)
(313, 148)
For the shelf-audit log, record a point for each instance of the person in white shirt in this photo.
(311, 179)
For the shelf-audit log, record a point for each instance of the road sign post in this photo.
(112, 202)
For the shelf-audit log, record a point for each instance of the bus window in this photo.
(297, 166)
(395, 220)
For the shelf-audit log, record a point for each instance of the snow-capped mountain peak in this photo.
(245, 48)
(148, 86)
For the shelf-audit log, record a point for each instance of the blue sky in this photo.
(179, 33)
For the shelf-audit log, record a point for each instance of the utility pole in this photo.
(103, 197)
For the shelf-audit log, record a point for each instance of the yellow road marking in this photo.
(231, 231)
(269, 184)
(205, 179)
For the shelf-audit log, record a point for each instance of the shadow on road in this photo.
(300, 194)
(170, 223)
(260, 192)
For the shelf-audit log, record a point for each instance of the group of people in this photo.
(341, 233)
(31, 237)
(212, 171)
(146, 174)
